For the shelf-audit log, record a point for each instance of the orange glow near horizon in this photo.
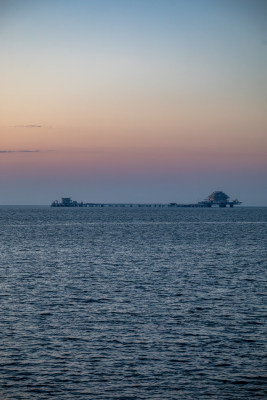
(125, 162)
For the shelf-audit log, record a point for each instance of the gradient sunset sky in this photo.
(133, 100)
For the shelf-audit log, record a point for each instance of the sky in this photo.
(133, 100)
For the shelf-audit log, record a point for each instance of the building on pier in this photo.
(219, 199)
(66, 202)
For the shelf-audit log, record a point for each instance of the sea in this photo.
(133, 303)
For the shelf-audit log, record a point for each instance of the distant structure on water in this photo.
(215, 199)
(219, 199)
(66, 202)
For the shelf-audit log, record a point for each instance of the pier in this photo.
(216, 199)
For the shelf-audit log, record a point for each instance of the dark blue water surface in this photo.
(132, 303)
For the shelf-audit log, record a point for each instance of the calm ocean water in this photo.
(132, 303)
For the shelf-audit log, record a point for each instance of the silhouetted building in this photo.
(66, 201)
(219, 199)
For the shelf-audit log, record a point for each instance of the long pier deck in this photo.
(139, 205)
(216, 199)
(135, 205)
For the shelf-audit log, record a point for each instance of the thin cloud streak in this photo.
(19, 151)
(28, 126)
